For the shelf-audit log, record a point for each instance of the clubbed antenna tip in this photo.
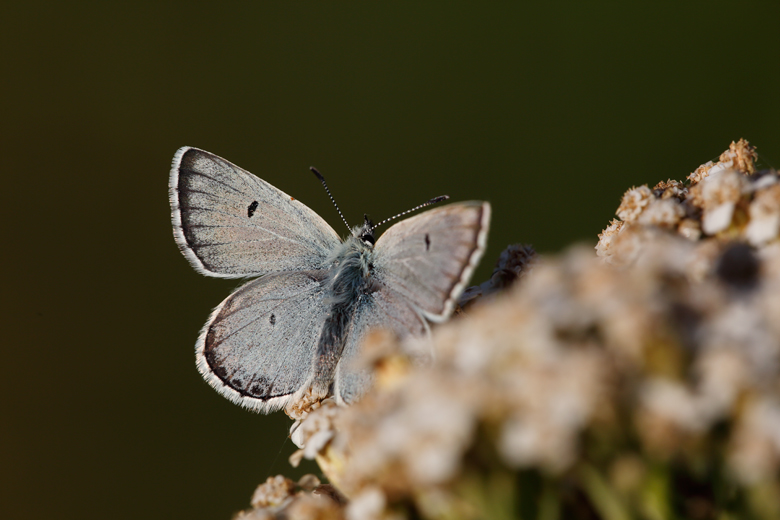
(316, 172)
(424, 204)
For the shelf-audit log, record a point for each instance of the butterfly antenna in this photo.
(424, 204)
(322, 180)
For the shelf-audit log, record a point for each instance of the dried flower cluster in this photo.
(643, 386)
(280, 497)
(727, 200)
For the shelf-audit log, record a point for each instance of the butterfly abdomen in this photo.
(349, 282)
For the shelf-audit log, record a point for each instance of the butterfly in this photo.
(297, 327)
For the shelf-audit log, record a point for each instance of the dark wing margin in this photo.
(257, 348)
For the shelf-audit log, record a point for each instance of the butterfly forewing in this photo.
(429, 258)
(231, 224)
(257, 348)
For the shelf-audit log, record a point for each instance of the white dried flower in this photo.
(764, 215)
(314, 432)
(701, 172)
(670, 188)
(275, 492)
(742, 327)
(675, 402)
(313, 507)
(369, 504)
(721, 187)
(662, 212)
(718, 218)
(722, 375)
(755, 450)
(421, 431)
(255, 514)
(548, 411)
(633, 202)
(606, 237)
(741, 156)
(717, 195)
(690, 229)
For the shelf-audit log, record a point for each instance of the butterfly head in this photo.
(365, 233)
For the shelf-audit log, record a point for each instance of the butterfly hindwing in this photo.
(381, 309)
(258, 346)
(231, 224)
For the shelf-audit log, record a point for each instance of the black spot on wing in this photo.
(251, 209)
(260, 388)
(272, 320)
(427, 242)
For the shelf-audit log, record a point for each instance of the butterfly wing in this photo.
(381, 309)
(421, 266)
(231, 224)
(429, 258)
(257, 349)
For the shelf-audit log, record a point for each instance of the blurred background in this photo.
(549, 112)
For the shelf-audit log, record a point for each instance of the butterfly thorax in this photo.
(351, 279)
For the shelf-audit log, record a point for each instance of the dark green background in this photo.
(550, 113)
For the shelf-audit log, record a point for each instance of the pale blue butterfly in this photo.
(297, 329)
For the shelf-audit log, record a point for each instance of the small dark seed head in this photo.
(738, 266)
